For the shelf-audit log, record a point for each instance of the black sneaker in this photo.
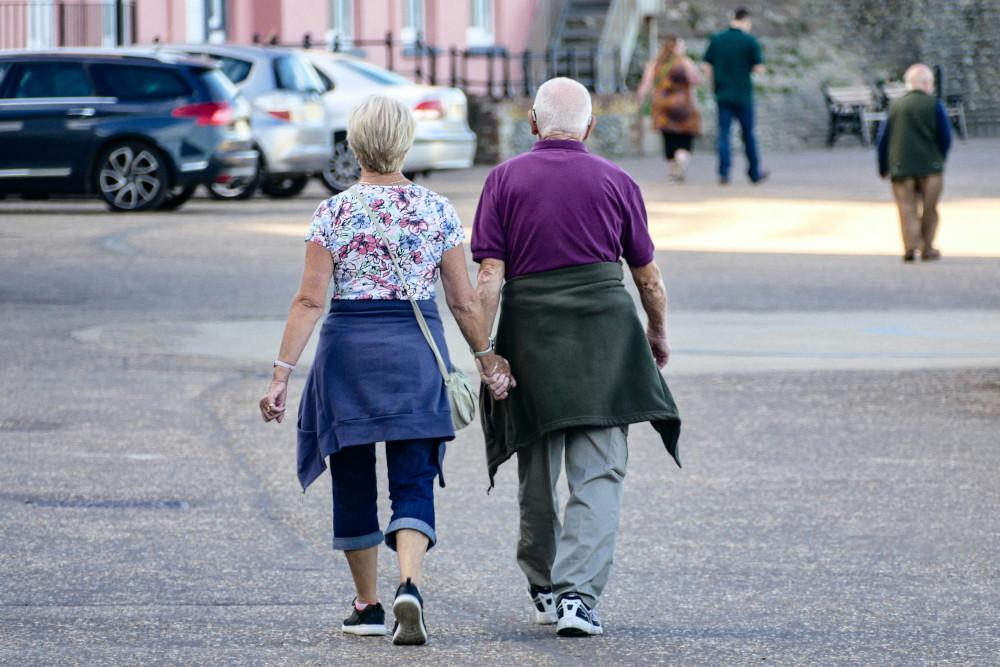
(576, 619)
(408, 609)
(909, 256)
(545, 605)
(370, 622)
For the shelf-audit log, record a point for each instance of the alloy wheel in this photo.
(129, 178)
(343, 170)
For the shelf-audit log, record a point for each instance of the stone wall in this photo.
(807, 43)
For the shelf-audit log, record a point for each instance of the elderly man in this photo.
(912, 146)
(555, 222)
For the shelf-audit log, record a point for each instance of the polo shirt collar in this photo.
(564, 144)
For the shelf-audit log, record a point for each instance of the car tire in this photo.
(282, 187)
(237, 188)
(177, 196)
(342, 171)
(132, 176)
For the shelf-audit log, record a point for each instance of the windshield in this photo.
(293, 72)
(220, 88)
(373, 73)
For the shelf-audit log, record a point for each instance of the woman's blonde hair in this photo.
(380, 132)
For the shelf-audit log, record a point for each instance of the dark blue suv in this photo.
(140, 130)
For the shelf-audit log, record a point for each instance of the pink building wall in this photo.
(446, 21)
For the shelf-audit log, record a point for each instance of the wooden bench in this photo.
(849, 107)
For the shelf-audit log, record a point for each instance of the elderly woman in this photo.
(375, 378)
(671, 77)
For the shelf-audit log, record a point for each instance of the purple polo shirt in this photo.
(559, 206)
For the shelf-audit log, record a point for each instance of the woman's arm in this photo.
(695, 77)
(465, 306)
(646, 85)
(306, 309)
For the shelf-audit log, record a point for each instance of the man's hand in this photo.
(660, 347)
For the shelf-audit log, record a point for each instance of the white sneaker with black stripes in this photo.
(545, 605)
(576, 619)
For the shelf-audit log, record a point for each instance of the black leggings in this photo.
(673, 142)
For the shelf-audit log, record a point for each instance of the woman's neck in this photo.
(376, 178)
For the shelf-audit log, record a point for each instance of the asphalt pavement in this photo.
(837, 504)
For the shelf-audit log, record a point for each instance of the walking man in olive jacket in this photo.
(912, 147)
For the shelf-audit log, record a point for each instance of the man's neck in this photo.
(560, 136)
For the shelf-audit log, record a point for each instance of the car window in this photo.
(4, 66)
(220, 88)
(49, 80)
(294, 73)
(372, 73)
(136, 82)
(236, 70)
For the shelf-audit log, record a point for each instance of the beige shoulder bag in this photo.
(460, 394)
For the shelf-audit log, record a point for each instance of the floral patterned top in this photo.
(420, 225)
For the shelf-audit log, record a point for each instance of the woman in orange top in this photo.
(671, 77)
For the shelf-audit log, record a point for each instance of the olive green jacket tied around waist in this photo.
(581, 358)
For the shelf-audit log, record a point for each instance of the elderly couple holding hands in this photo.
(570, 368)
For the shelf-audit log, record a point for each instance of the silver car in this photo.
(443, 139)
(288, 118)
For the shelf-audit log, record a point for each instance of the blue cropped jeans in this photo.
(412, 464)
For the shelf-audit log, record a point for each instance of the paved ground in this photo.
(837, 504)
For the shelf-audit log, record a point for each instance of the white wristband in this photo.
(284, 364)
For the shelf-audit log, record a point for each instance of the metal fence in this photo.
(40, 24)
(495, 71)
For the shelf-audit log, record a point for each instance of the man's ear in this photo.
(533, 120)
(590, 127)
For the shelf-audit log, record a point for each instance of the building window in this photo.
(341, 23)
(480, 31)
(413, 21)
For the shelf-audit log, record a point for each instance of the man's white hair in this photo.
(562, 105)
(919, 77)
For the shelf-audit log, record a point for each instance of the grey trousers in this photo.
(573, 556)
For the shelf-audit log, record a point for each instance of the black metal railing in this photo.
(491, 71)
(35, 24)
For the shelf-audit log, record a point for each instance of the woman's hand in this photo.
(272, 404)
(495, 372)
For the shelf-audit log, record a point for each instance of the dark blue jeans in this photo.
(744, 116)
(412, 464)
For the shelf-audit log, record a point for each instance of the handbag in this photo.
(460, 394)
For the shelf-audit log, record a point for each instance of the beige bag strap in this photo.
(380, 232)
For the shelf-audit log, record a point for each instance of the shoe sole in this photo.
(574, 628)
(364, 630)
(409, 615)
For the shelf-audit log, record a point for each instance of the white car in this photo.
(443, 139)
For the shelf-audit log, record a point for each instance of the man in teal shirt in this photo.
(732, 56)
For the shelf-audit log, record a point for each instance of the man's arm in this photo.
(883, 149)
(944, 128)
(488, 284)
(653, 295)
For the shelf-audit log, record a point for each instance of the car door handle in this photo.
(82, 112)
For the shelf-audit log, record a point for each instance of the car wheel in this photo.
(242, 187)
(282, 187)
(132, 176)
(177, 196)
(343, 170)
